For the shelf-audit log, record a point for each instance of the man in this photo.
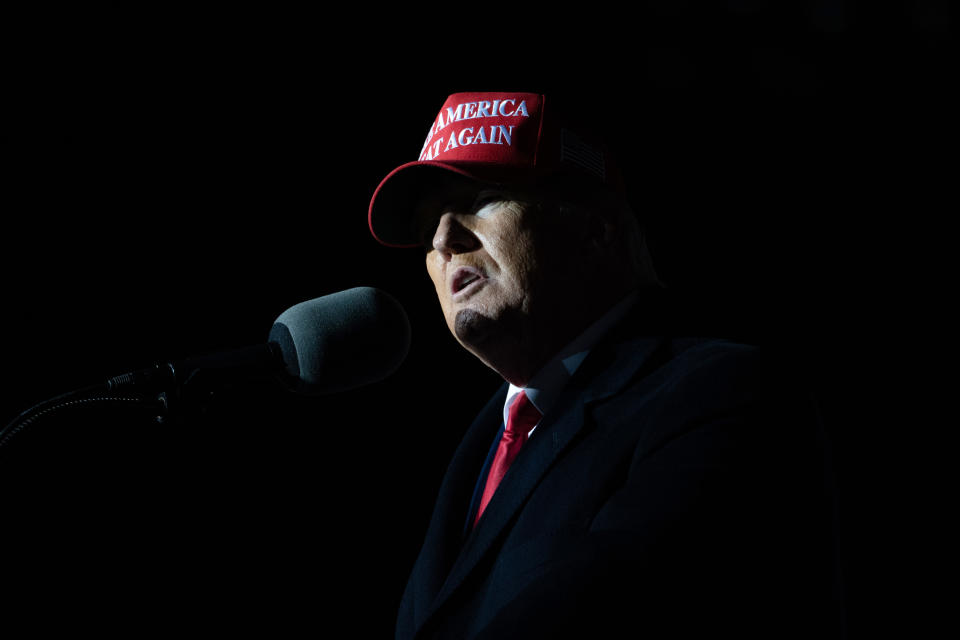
(622, 482)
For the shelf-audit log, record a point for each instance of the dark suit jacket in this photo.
(678, 489)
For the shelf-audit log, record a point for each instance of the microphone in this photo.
(341, 341)
(330, 344)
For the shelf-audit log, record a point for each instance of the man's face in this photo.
(507, 275)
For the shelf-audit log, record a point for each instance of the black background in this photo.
(172, 183)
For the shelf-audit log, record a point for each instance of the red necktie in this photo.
(521, 418)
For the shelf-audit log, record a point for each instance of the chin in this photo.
(472, 327)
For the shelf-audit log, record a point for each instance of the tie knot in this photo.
(523, 416)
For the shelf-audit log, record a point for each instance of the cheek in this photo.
(439, 285)
(432, 270)
(434, 278)
(519, 259)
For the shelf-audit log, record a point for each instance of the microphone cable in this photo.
(73, 399)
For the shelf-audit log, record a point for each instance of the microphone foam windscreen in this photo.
(342, 341)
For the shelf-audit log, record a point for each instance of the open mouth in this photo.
(466, 278)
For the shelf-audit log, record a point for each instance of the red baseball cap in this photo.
(493, 137)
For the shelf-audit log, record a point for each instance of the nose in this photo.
(453, 237)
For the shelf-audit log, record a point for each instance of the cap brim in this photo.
(392, 207)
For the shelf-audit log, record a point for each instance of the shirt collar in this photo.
(545, 386)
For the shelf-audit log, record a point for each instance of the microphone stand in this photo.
(167, 391)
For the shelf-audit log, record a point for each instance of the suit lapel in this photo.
(444, 535)
(604, 373)
(522, 477)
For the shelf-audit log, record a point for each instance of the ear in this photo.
(601, 232)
